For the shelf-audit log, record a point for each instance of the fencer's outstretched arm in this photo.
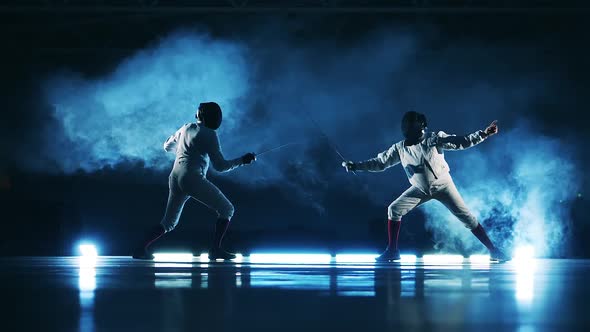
(220, 163)
(170, 144)
(383, 161)
(445, 141)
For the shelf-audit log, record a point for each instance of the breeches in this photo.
(184, 186)
(446, 193)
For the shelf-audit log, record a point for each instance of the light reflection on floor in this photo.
(86, 287)
(361, 283)
(355, 275)
(525, 280)
(473, 294)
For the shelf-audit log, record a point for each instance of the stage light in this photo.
(173, 257)
(204, 257)
(355, 258)
(87, 271)
(442, 259)
(288, 258)
(407, 259)
(479, 259)
(370, 258)
(522, 253)
(88, 256)
(88, 250)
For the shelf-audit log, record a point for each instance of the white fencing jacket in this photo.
(194, 145)
(423, 162)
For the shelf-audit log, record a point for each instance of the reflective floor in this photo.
(267, 294)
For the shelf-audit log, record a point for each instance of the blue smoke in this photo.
(519, 183)
(126, 115)
(520, 186)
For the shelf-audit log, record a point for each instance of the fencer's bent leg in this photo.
(393, 227)
(221, 227)
(216, 252)
(408, 200)
(141, 251)
(482, 236)
(207, 193)
(176, 200)
(449, 196)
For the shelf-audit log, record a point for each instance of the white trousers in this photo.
(443, 191)
(184, 184)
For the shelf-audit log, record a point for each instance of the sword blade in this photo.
(330, 143)
(276, 148)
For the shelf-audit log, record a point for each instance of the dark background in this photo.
(45, 211)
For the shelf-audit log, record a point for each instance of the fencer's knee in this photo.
(169, 222)
(394, 213)
(227, 212)
(168, 226)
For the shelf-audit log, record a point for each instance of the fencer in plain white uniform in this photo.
(422, 157)
(195, 146)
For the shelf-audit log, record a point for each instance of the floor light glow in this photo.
(88, 250)
(524, 264)
(523, 253)
(87, 279)
(355, 258)
(442, 259)
(408, 258)
(173, 280)
(291, 258)
(479, 259)
(286, 280)
(173, 257)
